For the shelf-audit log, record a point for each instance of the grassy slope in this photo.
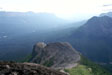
(87, 67)
(79, 70)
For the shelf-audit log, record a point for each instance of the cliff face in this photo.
(55, 55)
(11, 68)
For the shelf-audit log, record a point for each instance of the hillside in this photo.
(87, 67)
(63, 57)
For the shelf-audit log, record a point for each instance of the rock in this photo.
(57, 55)
(41, 44)
(14, 73)
(26, 69)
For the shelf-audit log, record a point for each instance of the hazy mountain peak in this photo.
(106, 14)
(93, 39)
(96, 19)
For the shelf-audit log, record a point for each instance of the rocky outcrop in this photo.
(55, 55)
(12, 68)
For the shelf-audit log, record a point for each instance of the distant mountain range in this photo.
(19, 23)
(94, 39)
(106, 14)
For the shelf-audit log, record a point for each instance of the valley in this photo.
(90, 42)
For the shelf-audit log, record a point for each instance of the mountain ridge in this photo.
(93, 39)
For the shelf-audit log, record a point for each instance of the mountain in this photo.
(14, 24)
(106, 14)
(55, 55)
(62, 56)
(94, 39)
(13, 68)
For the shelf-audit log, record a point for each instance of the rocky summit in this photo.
(12, 68)
(57, 55)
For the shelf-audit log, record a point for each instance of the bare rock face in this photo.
(11, 68)
(55, 55)
(41, 45)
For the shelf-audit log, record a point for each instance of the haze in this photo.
(66, 9)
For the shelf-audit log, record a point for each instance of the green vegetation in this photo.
(96, 69)
(49, 63)
(108, 67)
(27, 58)
(80, 70)
(86, 67)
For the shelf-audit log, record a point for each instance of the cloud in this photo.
(1, 8)
(106, 5)
(107, 10)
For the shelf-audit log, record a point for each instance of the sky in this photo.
(67, 9)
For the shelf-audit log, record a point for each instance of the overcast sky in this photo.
(62, 8)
